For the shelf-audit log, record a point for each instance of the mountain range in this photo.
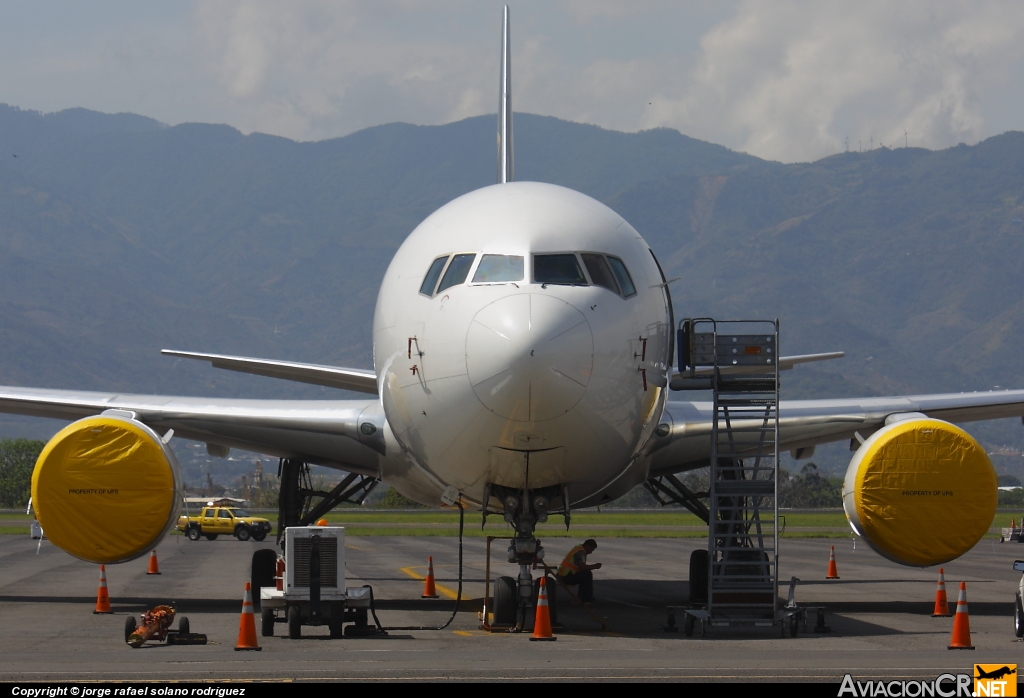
(120, 236)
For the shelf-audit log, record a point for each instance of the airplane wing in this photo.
(359, 380)
(806, 423)
(324, 432)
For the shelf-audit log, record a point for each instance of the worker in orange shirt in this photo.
(575, 570)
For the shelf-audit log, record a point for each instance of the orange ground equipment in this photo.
(833, 573)
(156, 627)
(542, 621)
(321, 522)
(154, 566)
(102, 597)
(941, 602)
(247, 624)
(429, 590)
(961, 639)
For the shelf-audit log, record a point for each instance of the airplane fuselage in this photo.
(507, 377)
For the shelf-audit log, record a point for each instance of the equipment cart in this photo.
(310, 586)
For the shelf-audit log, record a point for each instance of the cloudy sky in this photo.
(789, 81)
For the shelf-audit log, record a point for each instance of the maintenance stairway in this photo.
(737, 360)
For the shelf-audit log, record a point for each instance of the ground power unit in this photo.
(310, 589)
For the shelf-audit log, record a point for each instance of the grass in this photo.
(588, 524)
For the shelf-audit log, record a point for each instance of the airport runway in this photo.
(879, 614)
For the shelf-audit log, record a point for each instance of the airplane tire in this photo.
(294, 623)
(334, 624)
(699, 577)
(267, 622)
(264, 567)
(688, 625)
(505, 602)
(183, 626)
(1018, 617)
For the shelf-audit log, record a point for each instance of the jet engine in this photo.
(920, 491)
(106, 489)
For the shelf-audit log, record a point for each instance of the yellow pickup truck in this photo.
(232, 521)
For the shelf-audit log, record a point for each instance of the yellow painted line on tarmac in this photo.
(463, 633)
(354, 547)
(440, 589)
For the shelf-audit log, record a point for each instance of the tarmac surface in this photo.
(879, 614)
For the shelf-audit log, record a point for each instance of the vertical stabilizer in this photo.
(505, 170)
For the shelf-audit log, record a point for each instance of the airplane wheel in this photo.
(294, 623)
(699, 577)
(792, 622)
(335, 625)
(505, 602)
(1018, 618)
(129, 627)
(262, 571)
(688, 625)
(267, 622)
(183, 626)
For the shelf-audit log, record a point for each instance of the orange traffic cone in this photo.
(102, 597)
(247, 624)
(154, 566)
(941, 603)
(542, 621)
(961, 639)
(429, 592)
(833, 573)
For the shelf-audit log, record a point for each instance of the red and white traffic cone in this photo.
(102, 597)
(154, 566)
(961, 639)
(429, 590)
(542, 620)
(833, 573)
(247, 624)
(941, 603)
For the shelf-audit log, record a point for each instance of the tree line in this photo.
(17, 460)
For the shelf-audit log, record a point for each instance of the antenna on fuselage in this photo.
(505, 169)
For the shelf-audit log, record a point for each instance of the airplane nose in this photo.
(529, 357)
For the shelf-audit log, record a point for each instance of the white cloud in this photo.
(787, 80)
(790, 81)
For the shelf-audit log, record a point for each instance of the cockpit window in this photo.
(600, 274)
(497, 268)
(457, 271)
(622, 274)
(430, 280)
(557, 269)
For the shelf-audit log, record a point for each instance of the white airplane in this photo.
(523, 354)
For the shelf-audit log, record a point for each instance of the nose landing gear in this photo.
(524, 509)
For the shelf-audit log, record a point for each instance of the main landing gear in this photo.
(296, 508)
(524, 509)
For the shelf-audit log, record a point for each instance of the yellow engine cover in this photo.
(921, 492)
(106, 489)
